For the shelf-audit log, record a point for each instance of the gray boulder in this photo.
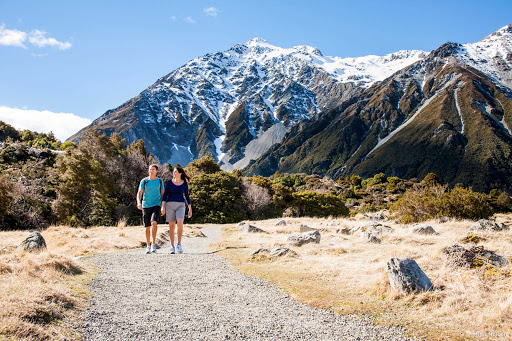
(371, 238)
(281, 251)
(422, 229)
(250, 229)
(281, 223)
(380, 216)
(333, 223)
(260, 251)
(405, 275)
(488, 225)
(305, 238)
(475, 257)
(34, 241)
(306, 228)
(443, 219)
(344, 230)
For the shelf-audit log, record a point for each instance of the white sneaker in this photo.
(172, 251)
(153, 248)
(148, 250)
(179, 248)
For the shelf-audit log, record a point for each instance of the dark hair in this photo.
(153, 165)
(184, 176)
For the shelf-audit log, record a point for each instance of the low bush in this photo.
(424, 202)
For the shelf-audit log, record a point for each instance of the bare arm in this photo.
(139, 196)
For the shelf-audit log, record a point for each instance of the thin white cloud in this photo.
(190, 20)
(173, 17)
(39, 39)
(35, 37)
(211, 11)
(63, 125)
(39, 55)
(12, 37)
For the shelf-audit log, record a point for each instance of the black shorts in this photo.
(150, 214)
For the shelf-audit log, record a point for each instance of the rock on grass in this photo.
(406, 276)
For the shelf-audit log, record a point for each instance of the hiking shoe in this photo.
(179, 248)
(148, 250)
(172, 251)
(153, 248)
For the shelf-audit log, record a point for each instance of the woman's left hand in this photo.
(190, 212)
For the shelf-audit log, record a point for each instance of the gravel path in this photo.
(198, 296)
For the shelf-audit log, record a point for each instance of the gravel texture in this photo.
(199, 296)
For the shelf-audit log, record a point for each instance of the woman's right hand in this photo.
(162, 211)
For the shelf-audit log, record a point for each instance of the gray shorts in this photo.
(174, 210)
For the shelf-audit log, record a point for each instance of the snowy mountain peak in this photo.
(504, 32)
(308, 50)
(257, 41)
(491, 55)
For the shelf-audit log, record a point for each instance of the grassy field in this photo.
(347, 275)
(42, 293)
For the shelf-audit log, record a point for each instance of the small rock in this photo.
(443, 220)
(251, 229)
(422, 229)
(304, 238)
(380, 216)
(488, 225)
(34, 241)
(333, 223)
(306, 228)
(405, 275)
(242, 223)
(344, 230)
(370, 238)
(281, 223)
(260, 251)
(281, 251)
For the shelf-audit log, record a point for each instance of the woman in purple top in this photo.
(173, 204)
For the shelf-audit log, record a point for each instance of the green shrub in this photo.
(315, 204)
(217, 198)
(424, 202)
(204, 165)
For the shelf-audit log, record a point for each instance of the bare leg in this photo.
(180, 229)
(171, 232)
(148, 234)
(154, 224)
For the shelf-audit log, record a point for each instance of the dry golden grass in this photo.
(347, 275)
(42, 292)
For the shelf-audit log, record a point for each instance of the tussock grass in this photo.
(42, 292)
(346, 274)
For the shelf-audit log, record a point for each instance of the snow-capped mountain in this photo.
(449, 113)
(491, 55)
(234, 105)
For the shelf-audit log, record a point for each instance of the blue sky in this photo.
(85, 57)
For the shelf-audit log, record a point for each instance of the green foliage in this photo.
(355, 180)
(67, 145)
(261, 181)
(14, 152)
(217, 198)
(8, 131)
(96, 182)
(315, 204)
(431, 179)
(204, 165)
(424, 202)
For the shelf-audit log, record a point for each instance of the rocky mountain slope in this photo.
(449, 113)
(235, 105)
